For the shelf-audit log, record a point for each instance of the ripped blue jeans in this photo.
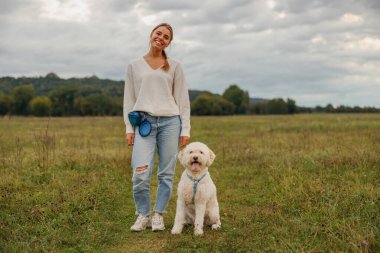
(165, 138)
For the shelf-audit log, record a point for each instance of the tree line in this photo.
(53, 96)
(62, 101)
(234, 100)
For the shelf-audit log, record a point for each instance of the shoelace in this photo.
(156, 220)
(139, 219)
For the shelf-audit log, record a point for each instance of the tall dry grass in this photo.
(285, 183)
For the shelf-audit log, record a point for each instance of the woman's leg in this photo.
(142, 164)
(167, 146)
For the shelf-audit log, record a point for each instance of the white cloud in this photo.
(69, 10)
(318, 39)
(280, 15)
(351, 18)
(271, 4)
(368, 43)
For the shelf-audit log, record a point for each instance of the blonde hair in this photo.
(166, 66)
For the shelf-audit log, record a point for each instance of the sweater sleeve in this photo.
(181, 96)
(129, 98)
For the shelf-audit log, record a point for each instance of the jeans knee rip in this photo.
(143, 169)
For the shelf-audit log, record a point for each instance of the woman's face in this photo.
(160, 38)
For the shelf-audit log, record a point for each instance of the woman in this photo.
(155, 85)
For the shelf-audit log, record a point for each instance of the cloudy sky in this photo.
(316, 52)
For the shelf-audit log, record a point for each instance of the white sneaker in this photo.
(158, 222)
(141, 223)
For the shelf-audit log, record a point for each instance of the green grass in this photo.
(285, 183)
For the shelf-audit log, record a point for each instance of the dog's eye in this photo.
(201, 152)
(191, 152)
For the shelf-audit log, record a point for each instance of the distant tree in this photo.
(277, 106)
(259, 108)
(87, 90)
(292, 107)
(357, 109)
(210, 104)
(343, 109)
(5, 104)
(21, 96)
(222, 106)
(79, 105)
(238, 97)
(62, 100)
(116, 106)
(40, 106)
(319, 108)
(202, 105)
(304, 110)
(94, 77)
(101, 104)
(52, 75)
(329, 108)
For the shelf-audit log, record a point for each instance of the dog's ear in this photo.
(180, 155)
(211, 157)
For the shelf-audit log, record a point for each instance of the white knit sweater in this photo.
(156, 92)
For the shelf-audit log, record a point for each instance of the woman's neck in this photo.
(154, 53)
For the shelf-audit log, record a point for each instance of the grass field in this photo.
(285, 183)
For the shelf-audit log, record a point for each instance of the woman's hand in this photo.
(183, 141)
(130, 139)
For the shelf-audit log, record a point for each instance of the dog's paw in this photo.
(176, 231)
(215, 226)
(198, 232)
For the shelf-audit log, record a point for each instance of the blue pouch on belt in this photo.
(139, 119)
(135, 118)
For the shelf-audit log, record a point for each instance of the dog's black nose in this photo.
(195, 158)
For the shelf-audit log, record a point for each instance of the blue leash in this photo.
(195, 181)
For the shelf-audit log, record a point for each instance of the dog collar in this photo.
(195, 181)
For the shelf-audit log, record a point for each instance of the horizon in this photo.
(201, 90)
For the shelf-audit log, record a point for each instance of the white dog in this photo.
(197, 203)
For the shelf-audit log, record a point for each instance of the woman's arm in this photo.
(181, 96)
(129, 102)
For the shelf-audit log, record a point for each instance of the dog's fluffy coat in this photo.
(196, 158)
